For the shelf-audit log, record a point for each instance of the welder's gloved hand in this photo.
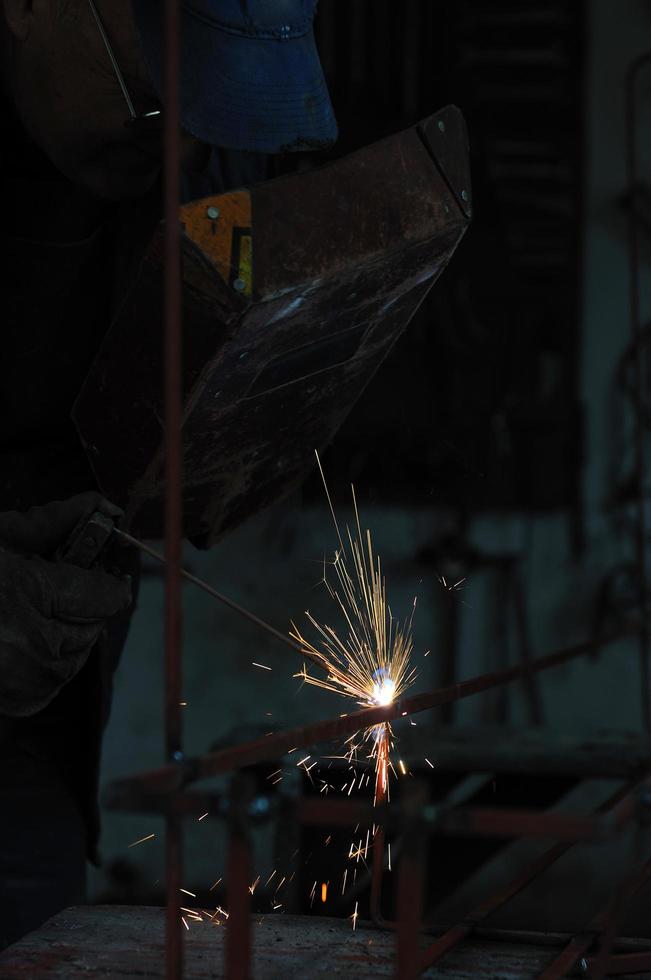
(51, 613)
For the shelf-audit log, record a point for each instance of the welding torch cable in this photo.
(224, 599)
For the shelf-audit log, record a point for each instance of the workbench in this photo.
(124, 942)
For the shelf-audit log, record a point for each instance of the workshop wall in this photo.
(524, 564)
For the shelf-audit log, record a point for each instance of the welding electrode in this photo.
(90, 538)
(128, 539)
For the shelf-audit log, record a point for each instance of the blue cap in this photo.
(251, 78)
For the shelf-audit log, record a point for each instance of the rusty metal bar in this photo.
(172, 385)
(378, 847)
(457, 796)
(641, 386)
(173, 464)
(410, 887)
(537, 866)
(377, 870)
(453, 820)
(581, 943)
(172, 777)
(237, 949)
(410, 884)
(473, 821)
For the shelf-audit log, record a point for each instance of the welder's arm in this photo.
(51, 612)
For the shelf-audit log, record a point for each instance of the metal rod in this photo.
(252, 618)
(455, 820)
(113, 59)
(458, 795)
(237, 948)
(173, 885)
(375, 901)
(169, 778)
(641, 390)
(473, 820)
(173, 477)
(410, 904)
(477, 821)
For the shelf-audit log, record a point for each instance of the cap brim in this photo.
(246, 93)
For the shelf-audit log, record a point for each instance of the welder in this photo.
(81, 176)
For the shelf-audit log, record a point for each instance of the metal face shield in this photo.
(294, 292)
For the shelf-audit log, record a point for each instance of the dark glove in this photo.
(51, 613)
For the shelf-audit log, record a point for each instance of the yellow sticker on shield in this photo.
(221, 227)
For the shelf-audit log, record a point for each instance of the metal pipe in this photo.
(173, 465)
(172, 777)
(641, 388)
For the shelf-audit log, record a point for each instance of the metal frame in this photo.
(164, 790)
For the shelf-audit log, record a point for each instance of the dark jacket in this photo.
(68, 260)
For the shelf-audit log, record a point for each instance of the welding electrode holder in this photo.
(87, 541)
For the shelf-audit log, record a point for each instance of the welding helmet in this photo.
(251, 78)
(294, 292)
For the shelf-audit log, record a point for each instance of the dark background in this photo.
(485, 408)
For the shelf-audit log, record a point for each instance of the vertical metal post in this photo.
(410, 886)
(375, 904)
(377, 871)
(173, 496)
(637, 339)
(410, 901)
(238, 928)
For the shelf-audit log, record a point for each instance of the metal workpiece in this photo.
(291, 298)
(168, 779)
(164, 790)
(451, 820)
